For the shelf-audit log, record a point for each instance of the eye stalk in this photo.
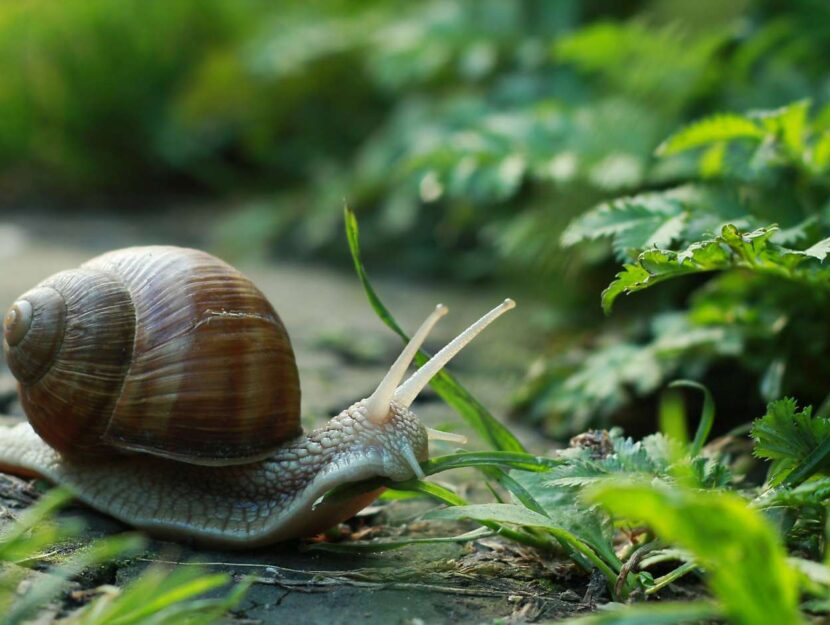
(390, 389)
(378, 403)
(409, 390)
(17, 322)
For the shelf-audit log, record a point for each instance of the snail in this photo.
(160, 388)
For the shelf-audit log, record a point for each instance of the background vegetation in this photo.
(675, 151)
(467, 135)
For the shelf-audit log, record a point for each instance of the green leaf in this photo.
(707, 414)
(821, 151)
(626, 458)
(635, 223)
(166, 597)
(47, 588)
(564, 507)
(730, 250)
(515, 488)
(722, 127)
(624, 54)
(745, 564)
(632, 278)
(21, 539)
(488, 427)
(789, 123)
(789, 437)
(512, 459)
(436, 491)
(814, 493)
(819, 250)
(501, 512)
(465, 459)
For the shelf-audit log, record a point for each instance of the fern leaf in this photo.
(722, 127)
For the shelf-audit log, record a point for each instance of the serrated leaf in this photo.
(632, 278)
(564, 507)
(722, 127)
(788, 436)
(635, 223)
(649, 456)
(731, 249)
(654, 266)
(816, 492)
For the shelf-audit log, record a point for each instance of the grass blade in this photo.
(511, 459)
(516, 489)
(45, 507)
(479, 418)
(707, 414)
(41, 593)
(464, 459)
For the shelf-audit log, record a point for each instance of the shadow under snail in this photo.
(160, 388)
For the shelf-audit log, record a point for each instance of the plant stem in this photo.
(670, 577)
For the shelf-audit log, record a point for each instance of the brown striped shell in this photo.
(164, 350)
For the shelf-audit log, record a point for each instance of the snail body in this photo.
(161, 388)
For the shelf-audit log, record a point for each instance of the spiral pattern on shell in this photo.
(164, 350)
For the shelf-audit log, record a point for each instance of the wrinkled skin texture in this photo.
(234, 506)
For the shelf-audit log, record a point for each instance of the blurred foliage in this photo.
(469, 135)
(158, 596)
(480, 125)
(755, 224)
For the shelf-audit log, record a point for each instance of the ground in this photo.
(342, 352)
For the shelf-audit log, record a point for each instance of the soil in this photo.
(342, 351)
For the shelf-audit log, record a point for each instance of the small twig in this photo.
(330, 583)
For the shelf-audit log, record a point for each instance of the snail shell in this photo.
(163, 350)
